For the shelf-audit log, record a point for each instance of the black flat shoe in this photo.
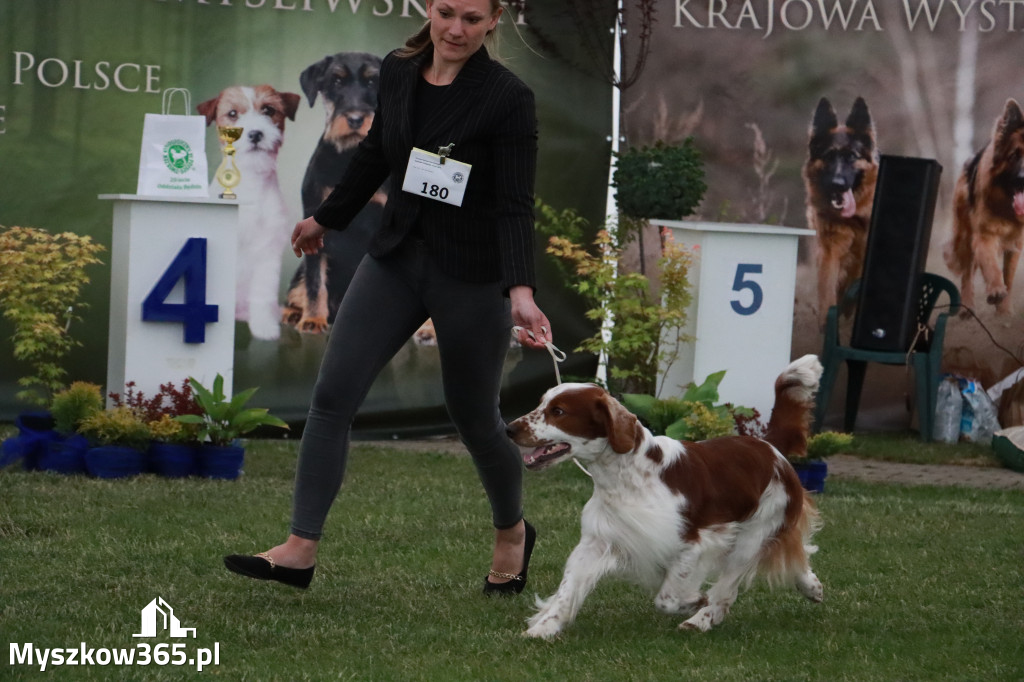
(262, 567)
(515, 583)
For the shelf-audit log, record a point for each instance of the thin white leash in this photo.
(557, 356)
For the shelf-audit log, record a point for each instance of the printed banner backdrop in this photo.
(77, 79)
(745, 79)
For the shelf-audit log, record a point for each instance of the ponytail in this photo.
(417, 43)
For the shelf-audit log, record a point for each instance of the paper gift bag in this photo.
(173, 159)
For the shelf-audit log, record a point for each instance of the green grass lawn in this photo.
(921, 583)
(907, 447)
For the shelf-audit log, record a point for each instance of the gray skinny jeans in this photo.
(387, 300)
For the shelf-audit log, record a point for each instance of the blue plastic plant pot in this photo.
(173, 460)
(64, 455)
(35, 430)
(221, 461)
(812, 475)
(115, 461)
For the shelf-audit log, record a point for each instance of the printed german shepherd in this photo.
(840, 175)
(988, 213)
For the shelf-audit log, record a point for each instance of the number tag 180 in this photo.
(427, 177)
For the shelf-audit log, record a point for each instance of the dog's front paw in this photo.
(312, 325)
(670, 603)
(290, 315)
(265, 327)
(547, 628)
(704, 619)
(996, 295)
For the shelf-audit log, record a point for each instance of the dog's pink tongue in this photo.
(849, 204)
(1018, 204)
(532, 456)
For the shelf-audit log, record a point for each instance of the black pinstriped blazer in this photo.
(489, 114)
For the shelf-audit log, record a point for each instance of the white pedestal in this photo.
(743, 279)
(149, 235)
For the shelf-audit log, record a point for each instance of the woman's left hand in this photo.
(527, 315)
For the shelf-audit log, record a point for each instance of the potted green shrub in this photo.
(648, 323)
(41, 277)
(659, 181)
(811, 467)
(65, 453)
(119, 440)
(73, 405)
(664, 181)
(173, 450)
(696, 415)
(221, 424)
(644, 308)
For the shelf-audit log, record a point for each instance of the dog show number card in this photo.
(433, 176)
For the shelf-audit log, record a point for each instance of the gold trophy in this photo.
(227, 173)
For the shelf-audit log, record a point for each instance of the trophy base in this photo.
(228, 194)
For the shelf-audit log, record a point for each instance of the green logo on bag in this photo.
(178, 156)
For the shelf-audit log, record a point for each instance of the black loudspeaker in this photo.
(897, 247)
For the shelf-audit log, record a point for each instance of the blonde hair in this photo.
(418, 42)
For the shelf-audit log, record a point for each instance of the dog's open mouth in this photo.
(1018, 204)
(544, 455)
(845, 203)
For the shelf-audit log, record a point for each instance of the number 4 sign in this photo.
(172, 290)
(195, 313)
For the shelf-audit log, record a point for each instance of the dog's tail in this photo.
(790, 423)
(785, 558)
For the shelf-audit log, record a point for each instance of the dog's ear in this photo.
(1011, 120)
(824, 119)
(209, 109)
(291, 104)
(823, 123)
(859, 120)
(621, 425)
(311, 77)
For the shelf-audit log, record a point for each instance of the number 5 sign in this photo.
(172, 291)
(741, 317)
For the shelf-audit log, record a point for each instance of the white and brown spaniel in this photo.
(671, 514)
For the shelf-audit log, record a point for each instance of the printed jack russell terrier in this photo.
(265, 225)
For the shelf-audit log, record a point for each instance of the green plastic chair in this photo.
(926, 363)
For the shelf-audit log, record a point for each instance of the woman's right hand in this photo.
(307, 237)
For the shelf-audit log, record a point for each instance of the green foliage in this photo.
(663, 181)
(74, 404)
(222, 419)
(705, 421)
(117, 426)
(693, 416)
(648, 325)
(41, 276)
(167, 429)
(826, 443)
